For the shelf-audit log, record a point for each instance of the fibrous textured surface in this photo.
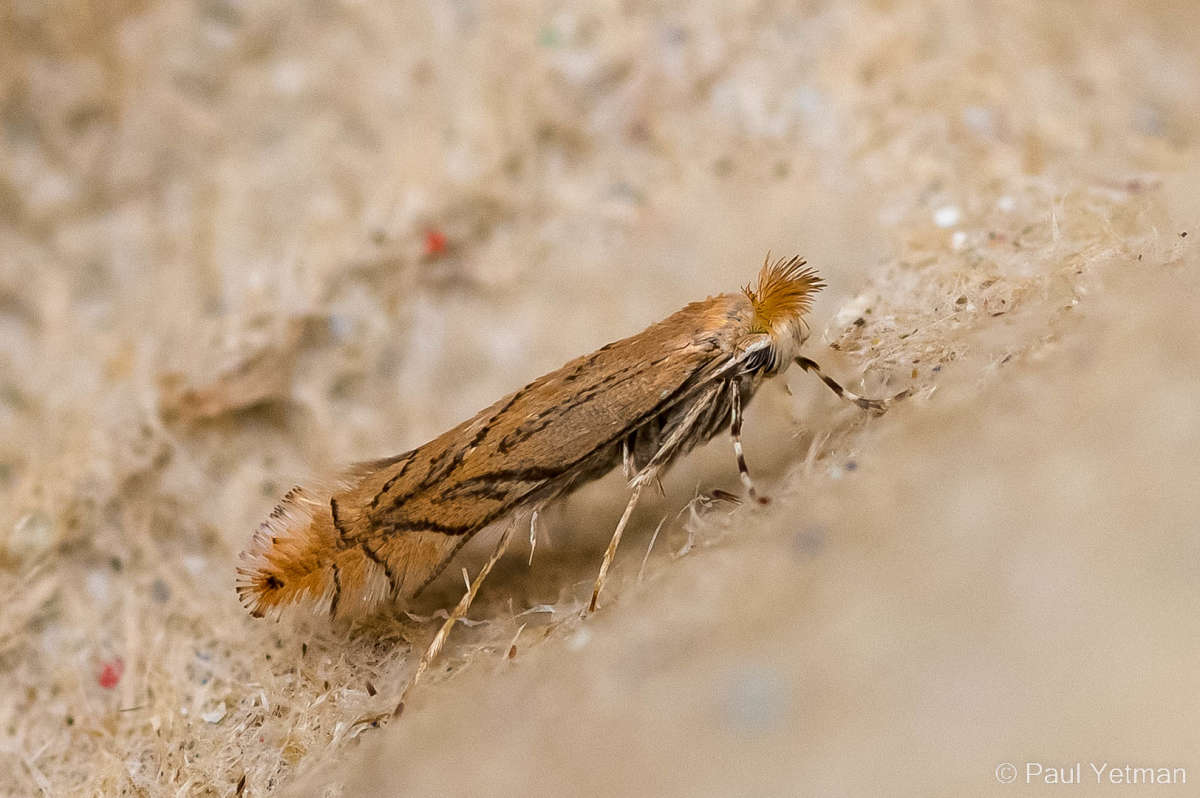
(242, 245)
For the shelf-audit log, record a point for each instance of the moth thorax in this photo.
(787, 336)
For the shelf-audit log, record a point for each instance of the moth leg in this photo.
(533, 519)
(867, 404)
(460, 610)
(611, 552)
(649, 472)
(735, 428)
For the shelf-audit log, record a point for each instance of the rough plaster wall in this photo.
(217, 276)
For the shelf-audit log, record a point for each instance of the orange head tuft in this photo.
(784, 293)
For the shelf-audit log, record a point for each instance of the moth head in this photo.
(782, 297)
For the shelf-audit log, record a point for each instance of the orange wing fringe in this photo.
(345, 566)
(295, 557)
(286, 558)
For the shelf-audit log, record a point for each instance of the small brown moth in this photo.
(386, 528)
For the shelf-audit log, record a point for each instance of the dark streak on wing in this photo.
(432, 474)
(586, 363)
(342, 541)
(427, 525)
(542, 475)
(392, 480)
(547, 417)
(374, 557)
(527, 475)
(486, 427)
(337, 589)
(442, 565)
(439, 468)
(516, 475)
(477, 490)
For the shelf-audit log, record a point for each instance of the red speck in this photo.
(110, 674)
(435, 242)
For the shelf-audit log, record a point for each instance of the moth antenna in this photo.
(878, 405)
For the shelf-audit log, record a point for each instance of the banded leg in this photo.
(611, 551)
(866, 404)
(735, 428)
(439, 640)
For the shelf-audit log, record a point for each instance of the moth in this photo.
(384, 529)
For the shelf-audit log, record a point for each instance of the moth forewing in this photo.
(384, 529)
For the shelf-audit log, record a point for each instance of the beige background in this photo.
(216, 279)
